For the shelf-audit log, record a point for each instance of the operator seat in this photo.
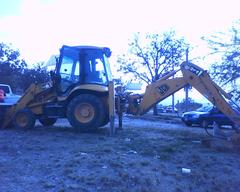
(56, 80)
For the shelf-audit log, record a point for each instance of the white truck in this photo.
(10, 97)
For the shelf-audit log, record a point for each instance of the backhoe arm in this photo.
(201, 81)
(160, 90)
(155, 92)
(166, 86)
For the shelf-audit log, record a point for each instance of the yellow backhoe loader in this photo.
(191, 74)
(81, 90)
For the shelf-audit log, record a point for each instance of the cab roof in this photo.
(80, 48)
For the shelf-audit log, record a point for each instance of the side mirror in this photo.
(107, 51)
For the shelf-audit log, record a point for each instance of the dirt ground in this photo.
(147, 155)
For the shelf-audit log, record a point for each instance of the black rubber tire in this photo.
(105, 121)
(204, 124)
(45, 121)
(188, 124)
(24, 119)
(95, 104)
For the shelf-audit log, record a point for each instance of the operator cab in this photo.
(80, 65)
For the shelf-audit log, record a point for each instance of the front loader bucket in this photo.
(34, 98)
(9, 110)
(5, 115)
(2, 114)
(8, 116)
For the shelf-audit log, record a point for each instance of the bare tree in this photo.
(151, 56)
(226, 47)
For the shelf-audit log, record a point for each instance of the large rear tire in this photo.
(105, 121)
(86, 112)
(24, 119)
(45, 121)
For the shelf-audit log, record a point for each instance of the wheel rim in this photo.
(22, 120)
(84, 112)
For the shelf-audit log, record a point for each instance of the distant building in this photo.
(136, 88)
(51, 63)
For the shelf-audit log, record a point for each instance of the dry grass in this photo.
(141, 158)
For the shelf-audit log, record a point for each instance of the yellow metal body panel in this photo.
(89, 87)
(158, 91)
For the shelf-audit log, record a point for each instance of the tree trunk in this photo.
(173, 104)
(155, 112)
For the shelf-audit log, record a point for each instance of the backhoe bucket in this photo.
(34, 98)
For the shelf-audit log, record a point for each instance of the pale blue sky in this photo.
(39, 27)
(8, 8)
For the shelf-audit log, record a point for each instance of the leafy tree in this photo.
(226, 47)
(151, 56)
(15, 72)
(37, 74)
(11, 65)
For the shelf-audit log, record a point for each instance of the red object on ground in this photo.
(2, 95)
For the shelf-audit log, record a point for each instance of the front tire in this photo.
(24, 119)
(86, 112)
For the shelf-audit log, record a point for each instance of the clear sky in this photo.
(40, 27)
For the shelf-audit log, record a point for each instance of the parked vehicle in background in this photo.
(165, 109)
(205, 116)
(2, 95)
(9, 96)
(7, 89)
(160, 108)
(170, 110)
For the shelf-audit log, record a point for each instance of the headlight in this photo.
(195, 116)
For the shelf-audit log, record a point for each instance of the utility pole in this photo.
(187, 86)
(173, 103)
